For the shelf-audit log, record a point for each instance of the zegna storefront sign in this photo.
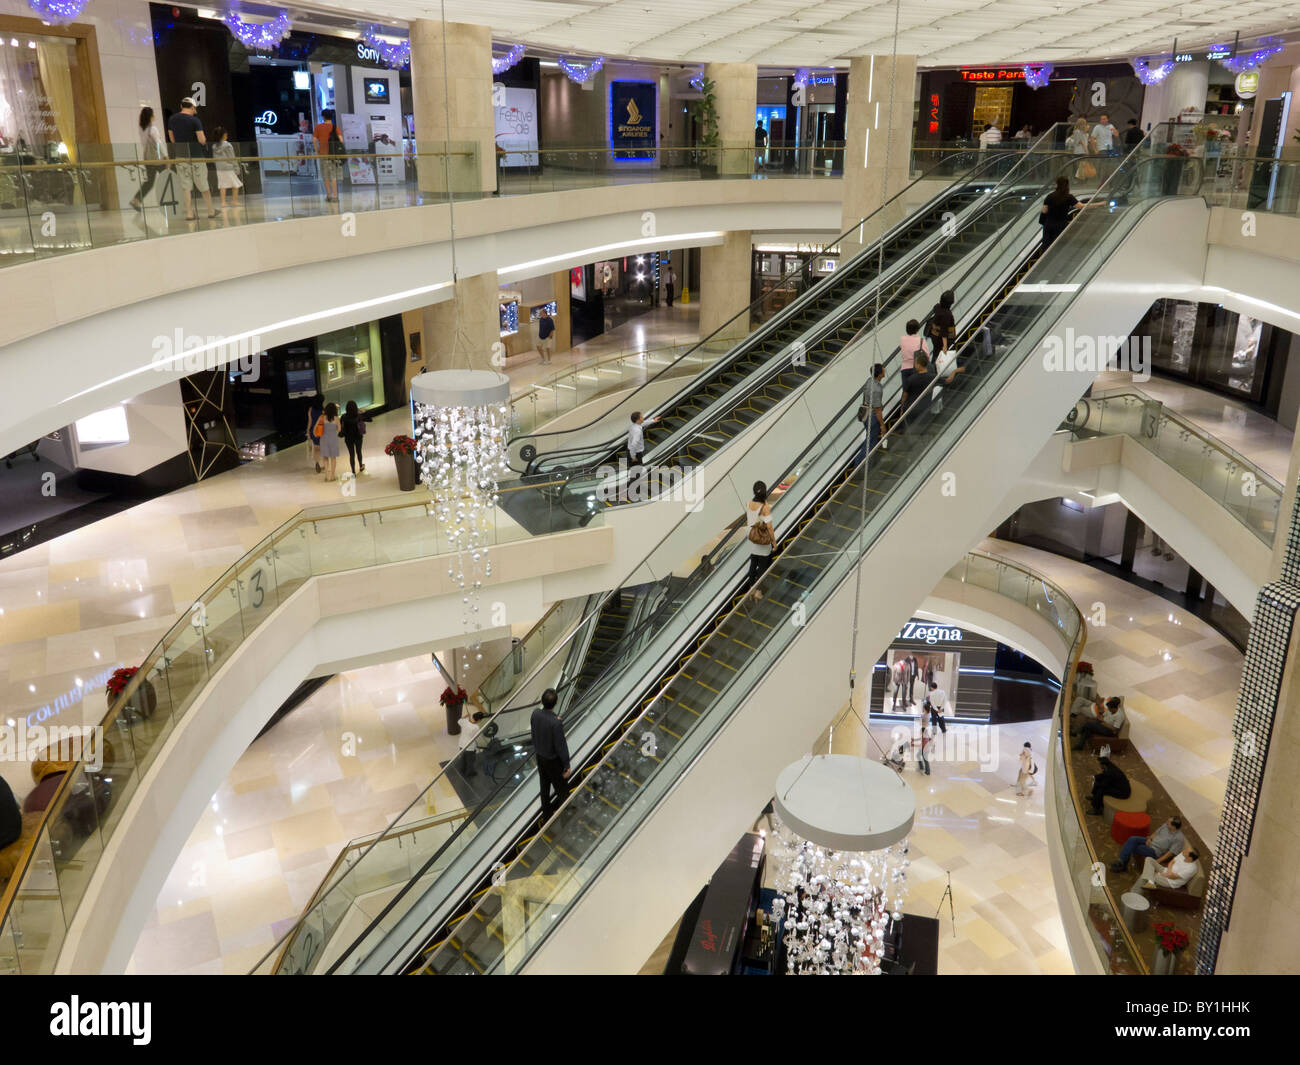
(927, 633)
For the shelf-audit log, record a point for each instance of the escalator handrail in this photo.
(964, 178)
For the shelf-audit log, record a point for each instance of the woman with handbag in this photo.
(758, 516)
(353, 431)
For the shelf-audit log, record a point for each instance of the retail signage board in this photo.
(633, 118)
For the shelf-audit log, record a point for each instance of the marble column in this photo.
(459, 333)
(725, 271)
(464, 97)
(877, 144)
(736, 94)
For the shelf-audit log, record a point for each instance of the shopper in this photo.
(552, 754)
(1111, 721)
(908, 345)
(943, 325)
(636, 438)
(670, 284)
(151, 151)
(328, 430)
(872, 413)
(1105, 136)
(991, 136)
(328, 145)
(762, 537)
(1178, 872)
(1024, 133)
(1079, 142)
(1059, 206)
(1165, 842)
(1133, 135)
(185, 131)
(314, 412)
(922, 744)
(1025, 778)
(352, 426)
(937, 702)
(1110, 781)
(223, 154)
(760, 149)
(545, 336)
(916, 393)
(469, 730)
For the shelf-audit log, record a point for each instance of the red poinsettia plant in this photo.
(1172, 938)
(120, 679)
(400, 445)
(453, 696)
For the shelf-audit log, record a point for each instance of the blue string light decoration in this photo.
(394, 55)
(697, 81)
(259, 36)
(579, 72)
(1266, 47)
(1149, 75)
(502, 63)
(1037, 75)
(58, 12)
(802, 77)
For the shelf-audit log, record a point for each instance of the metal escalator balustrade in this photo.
(530, 899)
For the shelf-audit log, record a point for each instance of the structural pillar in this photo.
(460, 333)
(725, 271)
(735, 92)
(877, 145)
(1251, 921)
(465, 96)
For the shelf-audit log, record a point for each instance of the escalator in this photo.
(544, 454)
(681, 742)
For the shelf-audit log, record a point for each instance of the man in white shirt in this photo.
(991, 135)
(1112, 719)
(636, 437)
(938, 703)
(1106, 136)
(1178, 872)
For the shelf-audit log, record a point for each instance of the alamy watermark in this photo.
(190, 353)
(960, 743)
(63, 743)
(636, 484)
(1092, 353)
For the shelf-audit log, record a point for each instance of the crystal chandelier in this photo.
(460, 419)
(842, 863)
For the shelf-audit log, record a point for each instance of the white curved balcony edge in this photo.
(100, 316)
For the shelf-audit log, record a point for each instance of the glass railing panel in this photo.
(223, 620)
(76, 842)
(185, 654)
(8, 949)
(148, 714)
(36, 917)
(118, 777)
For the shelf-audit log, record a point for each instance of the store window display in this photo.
(348, 366)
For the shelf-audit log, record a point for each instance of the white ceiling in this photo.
(828, 33)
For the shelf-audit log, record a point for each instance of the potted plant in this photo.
(707, 114)
(453, 699)
(402, 448)
(1170, 942)
(143, 701)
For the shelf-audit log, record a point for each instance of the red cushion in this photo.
(1128, 824)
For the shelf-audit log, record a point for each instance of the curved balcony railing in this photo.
(60, 853)
(1098, 901)
(1236, 483)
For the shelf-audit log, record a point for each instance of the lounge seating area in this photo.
(1147, 807)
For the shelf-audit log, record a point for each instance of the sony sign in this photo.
(364, 51)
(920, 630)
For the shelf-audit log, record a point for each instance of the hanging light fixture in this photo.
(841, 847)
(581, 72)
(393, 54)
(1240, 64)
(460, 419)
(259, 36)
(502, 63)
(58, 12)
(1037, 75)
(1149, 75)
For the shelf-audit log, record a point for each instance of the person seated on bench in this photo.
(1178, 872)
(1162, 845)
(1111, 721)
(1110, 781)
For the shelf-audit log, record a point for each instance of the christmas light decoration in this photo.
(580, 73)
(460, 419)
(58, 12)
(802, 76)
(1037, 75)
(1239, 64)
(1149, 75)
(697, 81)
(393, 54)
(502, 63)
(259, 36)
